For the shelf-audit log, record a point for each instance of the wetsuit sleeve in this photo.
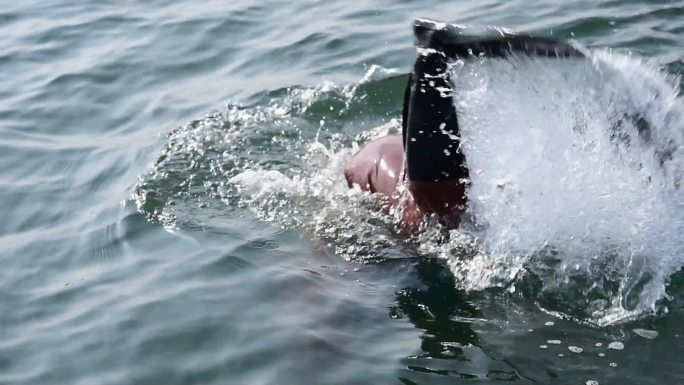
(430, 125)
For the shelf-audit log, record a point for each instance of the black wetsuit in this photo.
(430, 125)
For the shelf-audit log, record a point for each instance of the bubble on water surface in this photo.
(616, 345)
(575, 349)
(648, 334)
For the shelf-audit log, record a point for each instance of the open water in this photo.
(174, 210)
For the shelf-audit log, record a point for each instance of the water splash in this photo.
(576, 169)
(283, 162)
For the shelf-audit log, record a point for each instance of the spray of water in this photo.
(283, 162)
(576, 169)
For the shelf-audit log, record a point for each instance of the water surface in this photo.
(175, 210)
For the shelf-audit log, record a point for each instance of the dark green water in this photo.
(174, 211)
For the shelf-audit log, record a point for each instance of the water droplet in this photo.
(550, 323)
(575, 349)
(561, 355)
(649, 334)
(617, 345)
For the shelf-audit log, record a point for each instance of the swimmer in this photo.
(423, 170)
